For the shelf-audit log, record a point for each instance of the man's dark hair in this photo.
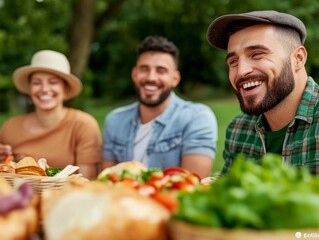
(159, 44)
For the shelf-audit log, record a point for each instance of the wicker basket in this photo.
(178, 230)
(39, 183)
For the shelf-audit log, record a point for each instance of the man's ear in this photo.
(299, 57)
(176, 78)
(133, 73)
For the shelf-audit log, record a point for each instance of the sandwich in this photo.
(94, 210)
(18, 211)
(29, 166)
(8, 166)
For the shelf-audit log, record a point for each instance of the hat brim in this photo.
(22, 82)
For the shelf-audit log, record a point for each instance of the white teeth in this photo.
(151, 87)
(252, 84)
(46, 97)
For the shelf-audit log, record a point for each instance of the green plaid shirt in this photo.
(246, 134)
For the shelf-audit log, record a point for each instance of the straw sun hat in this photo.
(51, 62)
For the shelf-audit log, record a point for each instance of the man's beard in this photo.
(282, 86)
(153, 103)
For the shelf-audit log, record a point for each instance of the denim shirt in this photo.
(183, 128)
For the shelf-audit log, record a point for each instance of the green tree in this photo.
(100, 38)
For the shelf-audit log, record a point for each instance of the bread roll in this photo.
(6, 168)
(26, 162)
(18, 213)
(95, 210)
(132, 166)
(29, 166)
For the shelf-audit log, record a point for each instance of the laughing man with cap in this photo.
(52, 131)
(266, 59)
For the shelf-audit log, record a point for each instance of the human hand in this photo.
(5, 151)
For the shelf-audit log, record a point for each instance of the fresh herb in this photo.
(51, 171)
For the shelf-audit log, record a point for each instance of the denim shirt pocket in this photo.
(166, 151)
(168, 143)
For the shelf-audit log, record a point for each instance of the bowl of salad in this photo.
(256, 200)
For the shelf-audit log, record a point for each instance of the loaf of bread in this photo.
(95, 210)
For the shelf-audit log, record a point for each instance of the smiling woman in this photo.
(42, 82)
(51, 126)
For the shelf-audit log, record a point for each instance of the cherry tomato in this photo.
(183, 185)
(130, 182)
(193, 178)
(156, 176)
(175, 170)
(167, 199)
(159, 183)
(146, 190)
(113, 177)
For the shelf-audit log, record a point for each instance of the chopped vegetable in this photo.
(162, 186)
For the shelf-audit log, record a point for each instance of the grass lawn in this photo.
(224, 109)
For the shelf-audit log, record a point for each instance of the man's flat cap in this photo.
(217, 31)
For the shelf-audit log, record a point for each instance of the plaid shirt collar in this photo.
(306, 107)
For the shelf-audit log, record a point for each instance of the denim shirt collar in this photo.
(165, 116)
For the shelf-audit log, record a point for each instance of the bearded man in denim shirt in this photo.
(160, 130)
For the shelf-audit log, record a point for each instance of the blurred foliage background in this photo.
(100, 38)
